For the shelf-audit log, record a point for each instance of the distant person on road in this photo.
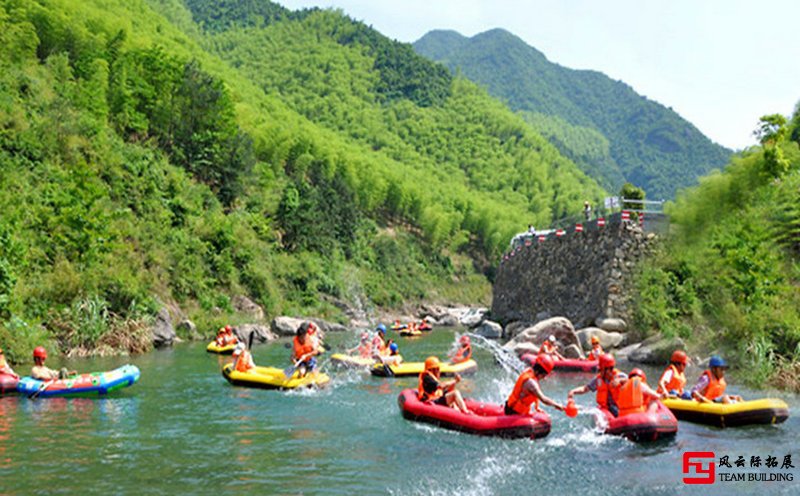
(531, 230)
(587, 210)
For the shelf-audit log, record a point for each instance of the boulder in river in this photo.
(189, 329)
(248, 307)
(447, 321)
(261, 333)
(287, 326)
(611, 324)
(608, 340)
(656, 352)
(560, 327)
(520, 349)
(474, 317)
(515, 327)
(573, 351)
(163, 332)
(488, 329)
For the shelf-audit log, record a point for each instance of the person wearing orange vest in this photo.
(464, 351)
(673, 379)
(606, 385)
(304, 350)
(220, 339)
(527, 392)
(635, 395)
(596, 350)
(230, 338)
(5, 368)
(425, 325)
(379, 345)
(548, 347)
(242, 359)
(431, 389)
(711, 385)
(364, 347)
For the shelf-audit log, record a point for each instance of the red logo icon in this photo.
(701, 463)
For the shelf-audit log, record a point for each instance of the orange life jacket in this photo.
(603, 388)
(365, 350)
(595, 353)
(677, 382)
(302, 349)
(244, 361)
(630, 398)
(715, 388)
(547, 347)
(423, 396)
(519, 403)
(463, 354)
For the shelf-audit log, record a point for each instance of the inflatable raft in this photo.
(764, 411)
(222, 350)
(273, 378)
(640, 427)
(351, 361)
(84, 384)
(8, 383)
(399, 327)
(416, 368)
(487, 419)
(566, 365)
(408, 333)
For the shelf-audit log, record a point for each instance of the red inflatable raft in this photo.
(640, 427)
(8, 383)
(566, 365)
(487, 420)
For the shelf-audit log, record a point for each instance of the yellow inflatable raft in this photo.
(408, 333)
(416, 368)
(273, 378)
(222, 350)
(351, 361)
(764, 411)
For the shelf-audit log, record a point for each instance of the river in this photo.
(184, 430)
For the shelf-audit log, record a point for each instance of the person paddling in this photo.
(304, 351)
(711, 385)
(527, 392)
(394, 357)
(464, 351)
(548, 347)
(431, 389)
(635, 396)
(43, 373)
(5, 368)
(230, 337)
(242, 358)
(596, 351)
(605, 385)
(673, 379)
(379, 346)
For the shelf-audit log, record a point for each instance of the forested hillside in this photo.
(729, 276)
(153, 154)
(647, 144)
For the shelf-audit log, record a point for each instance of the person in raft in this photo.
(596, 350)
(220, 339)
(527, 392)
(606, 385)
(242, 359)
(431, 389)
(43, 373)
(379, 345)
(464, 351)
(364, 347)
(394, 357)
(230, 338)
(548, 347)
(5, 368)
(673, 379)
(304, 351)
(635, 396)
(711, 385)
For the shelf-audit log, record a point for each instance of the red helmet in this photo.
(546, 362)
(228, 328)
(679, 356)
(607, 361)
(464, 339)
(40, 352)
(638, 373)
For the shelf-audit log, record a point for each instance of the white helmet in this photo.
(552, 338)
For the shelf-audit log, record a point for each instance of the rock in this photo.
(287, 326)
(658, 352)
(514, 328)
(573, 351)
(559, 327)
(520, 349)
(611, 324)
(435, 312)
(261, 333)
(447, 321)
(608, 340)
(626, 351)
(245, 305)
(163, 332)
(473, 317)
(488, 329)
(188, 329)
(543, 316)
(327, 327)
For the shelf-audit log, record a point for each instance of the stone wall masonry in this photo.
(581, 275)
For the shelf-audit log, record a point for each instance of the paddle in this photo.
(289, 371)
(44, 386)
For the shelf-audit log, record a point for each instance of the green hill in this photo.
(728, 278)
(156, 154)
(648, 145)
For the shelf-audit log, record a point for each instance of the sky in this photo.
(721, 64)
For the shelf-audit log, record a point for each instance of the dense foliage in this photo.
(729, 276)
(301, 159)
(650, 146)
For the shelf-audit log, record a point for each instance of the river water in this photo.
(184, 430)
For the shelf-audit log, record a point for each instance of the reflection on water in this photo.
(184, 429)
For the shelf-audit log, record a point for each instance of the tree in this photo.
(771, 133)
(631, 192)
